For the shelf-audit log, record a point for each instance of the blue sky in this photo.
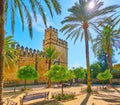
(76, 52)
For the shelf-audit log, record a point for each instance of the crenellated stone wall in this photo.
(29, 56)
(51, 39)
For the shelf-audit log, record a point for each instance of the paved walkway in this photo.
(106, 97)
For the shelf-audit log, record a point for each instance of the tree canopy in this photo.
(104, 75)
(95, 69)
(59, 73)
(10, 52)
(80, 73)
(27, 73)
(78, 23)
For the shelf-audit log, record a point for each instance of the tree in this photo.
(95, 69)
(80, 20)
(27, 73)
(104, 76)
(20, 6)
(102, 60)
(79, 73)
(10, 52)
(50, 54)
(59, 73)
(108, 40)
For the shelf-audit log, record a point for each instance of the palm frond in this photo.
(12, 16)
(9, 53)
(33, 6)
(41, 11)
(6, 9)
(56, 6)
(18, 3)
(49, 6)
(29, 20)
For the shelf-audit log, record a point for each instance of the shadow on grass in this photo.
(84, 102)
(49, 102)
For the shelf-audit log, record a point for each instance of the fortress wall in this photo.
(29, 56)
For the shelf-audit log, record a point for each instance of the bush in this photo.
(24, 89)
(59, 97)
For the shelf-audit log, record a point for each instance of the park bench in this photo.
(8, 101)
(29, 97)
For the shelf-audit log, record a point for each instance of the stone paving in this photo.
(104, 97)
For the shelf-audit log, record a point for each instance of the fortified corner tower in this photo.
(51, 39)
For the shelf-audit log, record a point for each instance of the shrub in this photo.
(59, 97)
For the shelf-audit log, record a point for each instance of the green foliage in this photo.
(80, 73)
(27, 73)
(95, 69)
(10, 52)
(108, 39)
(59, 97)
(36, 6)
(80, 20)
(104, 75)
(102, 59)
(59, 73)
(51, 53)
(80, 16)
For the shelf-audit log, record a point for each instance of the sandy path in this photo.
(106, 97)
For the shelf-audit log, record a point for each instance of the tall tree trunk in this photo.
(109, 60)
(62, 89)
(85, 26)
(25, 84)
(49, 81)
(1, 49)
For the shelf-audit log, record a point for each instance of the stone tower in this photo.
(29, 56)
(51, 39)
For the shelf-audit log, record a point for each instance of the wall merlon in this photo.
(52, 28)
(26, 51)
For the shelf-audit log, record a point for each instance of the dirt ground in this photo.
(105, 97)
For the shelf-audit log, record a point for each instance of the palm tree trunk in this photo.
(49, 81)
(1, 48)
(85, 26)
(25, 84)
(62, 89)
(109, 61)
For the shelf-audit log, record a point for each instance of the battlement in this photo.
(52, 28)
(62, 41)
(29, 52)
(51, 37)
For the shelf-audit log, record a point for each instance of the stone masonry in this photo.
(35, 58)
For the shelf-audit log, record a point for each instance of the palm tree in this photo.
(23, 7)
(50, 54)
(10, 53)
(108, 40)
(78, 22)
